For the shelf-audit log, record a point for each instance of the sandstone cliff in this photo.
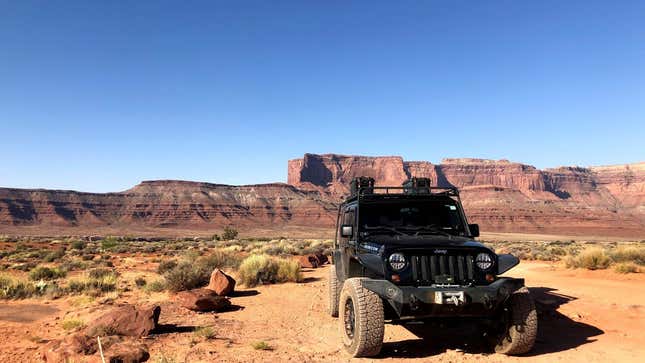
(500, 195)
(168, 203)
(503, 195)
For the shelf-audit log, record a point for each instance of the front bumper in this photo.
(424, 301)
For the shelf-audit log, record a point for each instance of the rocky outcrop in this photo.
(168, 204)
(502, 195)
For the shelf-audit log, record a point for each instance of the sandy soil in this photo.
(586, 316)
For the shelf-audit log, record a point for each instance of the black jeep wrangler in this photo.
(407, 253)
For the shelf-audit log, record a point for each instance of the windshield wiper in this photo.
(384, 228)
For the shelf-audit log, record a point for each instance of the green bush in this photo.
(78, 245)
(229, 233)
(54, 255)
(99, 273)
(46, 273)
(109, 243)
(262, 269)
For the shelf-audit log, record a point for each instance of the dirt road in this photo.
(588, 316)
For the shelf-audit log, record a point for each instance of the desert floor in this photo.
(585, 316)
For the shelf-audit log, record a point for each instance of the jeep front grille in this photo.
(443, 269)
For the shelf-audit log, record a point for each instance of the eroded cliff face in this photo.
(169, 204)
(503, 195)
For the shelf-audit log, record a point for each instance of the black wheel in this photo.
(334, 291)
(361, 319)
(520, 328)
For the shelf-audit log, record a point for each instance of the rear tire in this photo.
(334, 292)
(518, 336)
(361, 319)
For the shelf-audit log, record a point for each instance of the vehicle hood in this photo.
(400, 241)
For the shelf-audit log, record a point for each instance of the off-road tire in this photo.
(368, 324)
(334, 292)
(518, 336)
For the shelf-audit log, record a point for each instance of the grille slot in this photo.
(452, 269)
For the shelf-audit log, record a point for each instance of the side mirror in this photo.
(474, 230)
(346, 230)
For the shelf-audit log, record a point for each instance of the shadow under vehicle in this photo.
(407, 254)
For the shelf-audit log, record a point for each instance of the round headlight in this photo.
(484, 261)
(397, 261)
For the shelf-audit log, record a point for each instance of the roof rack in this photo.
(360, 187)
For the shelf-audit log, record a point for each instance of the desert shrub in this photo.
(261, 269)
(205, 332)
(628, 254)
(155, 286)
(72, 324)
(194, 271)
(626, 267)
(165, 266)
(289, 270)
(229, 233)
(593, 259)
(46, 273)
(109, 243)
(215, 237)
(140, 281)
(218, 259)
(78, 245)
(73, 265)
(185, 276)
(11, 288)
(54, 255)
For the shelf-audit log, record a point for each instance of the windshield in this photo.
(412, 217)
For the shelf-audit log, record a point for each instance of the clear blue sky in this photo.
(99, 95)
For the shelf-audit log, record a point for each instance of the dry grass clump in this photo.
(204, 332)
(627, 267)
(72, 324)
(628, 254)
(262, 269)
(594, 258)
(98, 282)
(11, 288)
(262, 345)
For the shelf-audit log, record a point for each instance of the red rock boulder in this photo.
(202, 300)
(127, 320)
(308, 261)
(221, 283)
